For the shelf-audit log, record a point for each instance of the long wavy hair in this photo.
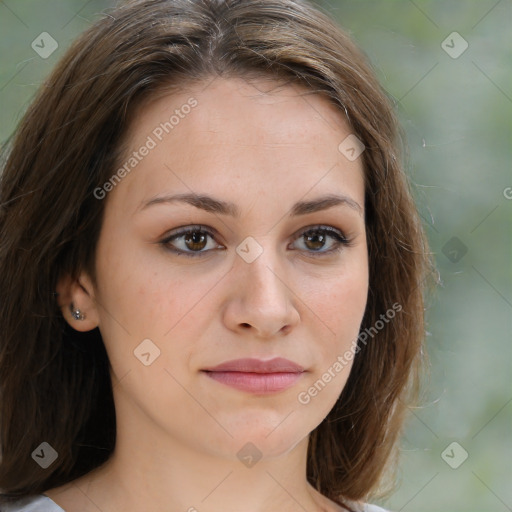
(54, 381)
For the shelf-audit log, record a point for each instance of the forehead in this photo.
(227, 131)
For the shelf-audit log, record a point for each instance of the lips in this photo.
(276, 365)
(257, 376)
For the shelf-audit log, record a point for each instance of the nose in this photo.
(261, 301)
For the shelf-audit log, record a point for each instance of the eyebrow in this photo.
(218, 206)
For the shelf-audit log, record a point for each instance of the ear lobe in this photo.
(78, 295)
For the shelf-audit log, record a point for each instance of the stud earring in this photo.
(76, 313)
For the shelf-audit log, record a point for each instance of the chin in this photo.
(273, 436)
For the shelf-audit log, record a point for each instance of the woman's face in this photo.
(267, 198)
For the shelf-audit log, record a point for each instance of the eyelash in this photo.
(340, 239)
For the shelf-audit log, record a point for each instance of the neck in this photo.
(152, 472)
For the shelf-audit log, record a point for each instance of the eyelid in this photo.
(319, 227)
(182, 230)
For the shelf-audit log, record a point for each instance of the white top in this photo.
(32, 504)
(373, 508)
(42, 503)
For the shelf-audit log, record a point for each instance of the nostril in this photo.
(245, 325)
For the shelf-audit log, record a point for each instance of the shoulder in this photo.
(39, 503)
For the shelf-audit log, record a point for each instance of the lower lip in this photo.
(261, 383)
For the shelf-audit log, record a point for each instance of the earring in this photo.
(76, 313)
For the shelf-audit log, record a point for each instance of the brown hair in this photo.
(54, 381)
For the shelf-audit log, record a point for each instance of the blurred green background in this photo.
(455, 104)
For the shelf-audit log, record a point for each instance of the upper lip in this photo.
(276, 365)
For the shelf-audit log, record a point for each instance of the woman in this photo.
(212, 269)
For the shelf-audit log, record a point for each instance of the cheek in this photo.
(340, 306)
(347, 305)
(141, 300)
(340, 303)
(132, 293)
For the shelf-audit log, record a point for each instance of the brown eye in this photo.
(321, 240)
(195, 240)
(191, 241)
(314, 241)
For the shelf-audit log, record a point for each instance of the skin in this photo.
(263, 148)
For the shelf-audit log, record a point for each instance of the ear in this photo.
(80, 293)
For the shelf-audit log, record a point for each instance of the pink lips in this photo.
(257, 376)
